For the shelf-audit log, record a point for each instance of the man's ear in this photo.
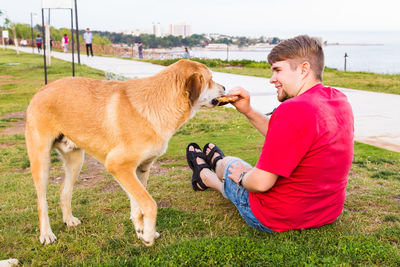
(305, 68)
(194, 84)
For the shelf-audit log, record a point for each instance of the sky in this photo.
(251, 18)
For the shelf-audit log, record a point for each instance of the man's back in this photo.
(309, 144)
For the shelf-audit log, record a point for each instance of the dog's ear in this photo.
(193, 86)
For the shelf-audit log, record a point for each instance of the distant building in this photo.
(157, 30)
(136, 32)
(181, 29)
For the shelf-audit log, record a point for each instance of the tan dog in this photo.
(125, 125)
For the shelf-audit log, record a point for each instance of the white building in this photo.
(157, 30)
(136, 32)
(181, 29)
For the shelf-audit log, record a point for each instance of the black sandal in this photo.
(191, 157)
(210, 155)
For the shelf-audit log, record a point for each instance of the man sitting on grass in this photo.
(300, 177)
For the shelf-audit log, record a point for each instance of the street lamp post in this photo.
(32, 14)
(345, 61)
(77, 33)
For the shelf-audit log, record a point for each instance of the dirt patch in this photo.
(93, 174)
(157, 170)
(19, 114)
(163, 204)
(6, 79)
(17, 127)
(6, 144)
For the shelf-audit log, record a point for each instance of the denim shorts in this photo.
(240, 197)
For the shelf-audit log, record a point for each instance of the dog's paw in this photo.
(9, 263)
(47, 238)
(139, 232)
(72, 221)
(149, 239)
(147, 243)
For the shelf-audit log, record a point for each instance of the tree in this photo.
(22, 30)
(275, 40)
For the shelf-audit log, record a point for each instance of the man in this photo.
(140, 50)
(39, 43)
(88, 36)
(300, 178)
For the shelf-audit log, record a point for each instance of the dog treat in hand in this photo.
(227, 99)
(222, 100)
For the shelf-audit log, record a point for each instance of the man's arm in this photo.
(258, 120)
(255, 180)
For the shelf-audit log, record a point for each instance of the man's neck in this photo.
(308, 85)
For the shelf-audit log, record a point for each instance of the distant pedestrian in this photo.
(140, 49)
(186, 53)
(51, 44)
(65, 41)
(88, 36)
(23, 42)
(39, 43)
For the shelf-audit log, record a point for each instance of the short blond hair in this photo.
(303, 48)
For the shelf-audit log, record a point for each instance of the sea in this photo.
(377, 52)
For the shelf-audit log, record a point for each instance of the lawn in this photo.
(197, 228)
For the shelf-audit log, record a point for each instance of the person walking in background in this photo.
(39, 43)
(88, 36)
(140, 49)
(65, 41)
(186, 53)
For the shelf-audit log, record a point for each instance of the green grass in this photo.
(19, 82)
(384, 83)
(197, 228)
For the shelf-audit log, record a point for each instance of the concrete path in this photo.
(377, 115)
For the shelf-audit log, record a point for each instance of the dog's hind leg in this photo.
(122, 166)
(72, 164)
(39, 148)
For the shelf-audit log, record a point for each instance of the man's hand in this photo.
(236, 170)
(243, 103)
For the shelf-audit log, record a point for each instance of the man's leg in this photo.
(87, 49)
(91, 49)
(221, 164)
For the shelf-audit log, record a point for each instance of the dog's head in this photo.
(199, 86)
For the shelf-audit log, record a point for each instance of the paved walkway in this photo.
(377, 115)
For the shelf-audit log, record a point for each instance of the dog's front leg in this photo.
(136, 216)
(145, 212)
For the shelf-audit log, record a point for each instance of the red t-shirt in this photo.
(309, 144)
